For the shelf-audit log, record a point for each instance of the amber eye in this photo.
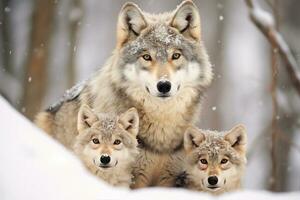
(175, 56)
(95, 141)
(147, 57)
(224, 161)
(117, 142)
(203, 161)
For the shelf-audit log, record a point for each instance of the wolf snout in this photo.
(213, 180)
(105, 159)
(164, 86)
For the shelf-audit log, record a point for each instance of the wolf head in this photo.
(216, 159)
(105, 142)
(161, 55)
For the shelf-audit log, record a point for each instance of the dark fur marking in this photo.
(193, 142)
(237, 141)
(130, 26)
(128, 127)
(141, 143)
(179, 147)
(54, 107)
(188, 19)
(181, 180)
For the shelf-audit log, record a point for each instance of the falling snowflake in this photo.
(214, 108)
(7, 9)
(220, 6)
(29, 79)
(23, 109)
(221, 17)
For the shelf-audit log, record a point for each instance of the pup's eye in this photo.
(147, 57)
(117, 142)
(95, 141)
(203, 161)
(175, 56)
(224, 161)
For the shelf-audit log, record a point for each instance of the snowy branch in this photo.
(265, 22)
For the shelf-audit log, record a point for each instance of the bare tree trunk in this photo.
(274, 185)
(10, 87)
(75, 15)
(36, 77)
(274, 129)
(280, 148)
(5, 29)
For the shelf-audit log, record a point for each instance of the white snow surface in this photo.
(34, 166)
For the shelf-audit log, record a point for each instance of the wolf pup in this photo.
(215, 161)
(160, 66)
(107, 145)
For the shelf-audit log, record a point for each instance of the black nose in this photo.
(164, 86)
(105, 159)
(212, 180)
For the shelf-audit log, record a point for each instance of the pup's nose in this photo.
(212, 180)
(164, 86)
(105, 159)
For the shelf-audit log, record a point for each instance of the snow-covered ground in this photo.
(33, 166)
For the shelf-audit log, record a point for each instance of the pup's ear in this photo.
(129, 120)
(187, 20)
(237, 137)
(130, 23)
(193, 137)
(86, 118)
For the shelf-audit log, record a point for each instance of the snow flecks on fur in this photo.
(163, 34)
(215, 144)
(69, 95)
(74, 91)
(108, 122)
(136, 46)
(160, 35)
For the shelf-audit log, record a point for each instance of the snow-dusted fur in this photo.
(151, 48)
(111, 136)
(218, 154)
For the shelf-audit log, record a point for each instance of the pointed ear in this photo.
(130, 23)
(86, 118)
(193, 137)
(237, 137)
(187, 20)
(130, 121)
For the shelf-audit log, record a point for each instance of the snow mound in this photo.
(33, 166)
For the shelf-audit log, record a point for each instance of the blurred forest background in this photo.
(46, 46)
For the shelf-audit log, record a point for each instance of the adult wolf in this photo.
(160, 66)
